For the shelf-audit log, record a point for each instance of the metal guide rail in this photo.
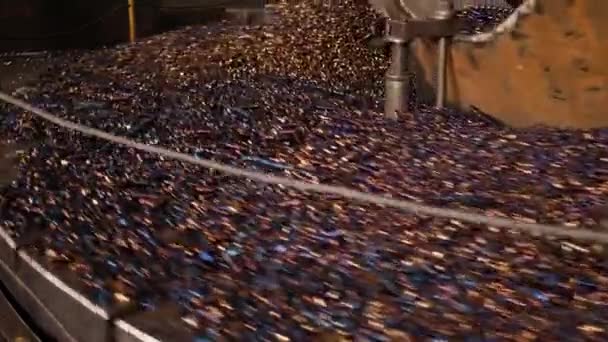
(13, 326)
(55, 304)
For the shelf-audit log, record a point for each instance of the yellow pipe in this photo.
(132, 21)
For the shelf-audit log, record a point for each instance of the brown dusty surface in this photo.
(553, 70)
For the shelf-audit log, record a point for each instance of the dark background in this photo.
(27, 25)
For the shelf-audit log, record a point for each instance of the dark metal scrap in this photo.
(242, 260)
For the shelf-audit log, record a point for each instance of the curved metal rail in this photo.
(426, 9)
(527, 7)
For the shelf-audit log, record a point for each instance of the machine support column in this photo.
(441, 73)
(445, 12)
(397, 82)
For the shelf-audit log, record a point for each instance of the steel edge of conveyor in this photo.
(53, 304)
(13, 326)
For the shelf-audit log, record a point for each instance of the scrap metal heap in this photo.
(183, 253)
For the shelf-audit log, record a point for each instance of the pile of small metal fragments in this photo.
(298, 98)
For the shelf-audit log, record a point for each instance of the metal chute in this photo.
(546, 67)
(543, 62)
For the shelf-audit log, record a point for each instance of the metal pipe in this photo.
(131, 20)
(445, 11)
(397, 82)
(441, 73)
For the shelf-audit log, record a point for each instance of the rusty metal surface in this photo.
(552, 70)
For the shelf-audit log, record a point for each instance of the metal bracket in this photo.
(400, 33)
(403, 31)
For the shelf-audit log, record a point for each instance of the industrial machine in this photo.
(546, 63)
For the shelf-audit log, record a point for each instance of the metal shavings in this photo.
(218, 247)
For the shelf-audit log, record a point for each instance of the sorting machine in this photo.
(545, 64)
